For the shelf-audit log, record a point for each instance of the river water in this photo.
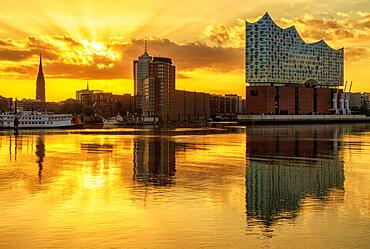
(221, 187)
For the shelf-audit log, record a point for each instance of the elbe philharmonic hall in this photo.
(286, 75)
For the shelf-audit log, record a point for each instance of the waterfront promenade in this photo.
(301, 119)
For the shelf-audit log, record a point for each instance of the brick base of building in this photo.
(289, 100)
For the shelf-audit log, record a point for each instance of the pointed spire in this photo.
(40, 83)
(145, 46)
(40, 65)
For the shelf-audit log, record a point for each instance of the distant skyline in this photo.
(98, 40)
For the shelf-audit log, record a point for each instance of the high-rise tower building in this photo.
(156, 97)
(158, 89)
(141, 71)
(40, 84)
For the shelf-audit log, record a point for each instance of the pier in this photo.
(301, 119)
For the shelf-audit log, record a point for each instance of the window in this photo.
(254, 93)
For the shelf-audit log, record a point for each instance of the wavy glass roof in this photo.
(293, 31)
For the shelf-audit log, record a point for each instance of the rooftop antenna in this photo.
(87, 85)
(145, 45)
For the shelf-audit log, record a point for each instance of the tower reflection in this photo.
(40, 153)
(155, 160)
(285, 164)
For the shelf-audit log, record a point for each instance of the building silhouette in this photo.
(105, 104)
(40, 84)
(5, 104)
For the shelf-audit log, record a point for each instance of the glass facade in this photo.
(280, 56)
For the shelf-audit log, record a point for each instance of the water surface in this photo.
(225, 187)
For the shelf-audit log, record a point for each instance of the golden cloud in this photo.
(66, 57)
(349, 30)
(222, 50)
(226, 36)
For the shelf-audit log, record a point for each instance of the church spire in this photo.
(40, 83)
(40, 65)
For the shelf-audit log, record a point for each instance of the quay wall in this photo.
(277, 119)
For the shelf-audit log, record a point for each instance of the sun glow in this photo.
(89, 52)
(91, 40)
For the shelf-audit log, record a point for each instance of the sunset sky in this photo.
(97, 41)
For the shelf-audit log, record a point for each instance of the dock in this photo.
(301, 119)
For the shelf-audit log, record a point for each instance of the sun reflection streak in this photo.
(91, 180)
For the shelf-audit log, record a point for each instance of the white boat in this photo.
(35, 120)
(118, 120)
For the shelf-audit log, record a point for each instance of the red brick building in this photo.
(289, 100)
(189, 106)
(5, 104)
(109, 105)
(162, 101)
(226, 105)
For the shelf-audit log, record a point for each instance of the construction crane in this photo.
(342, 107)
(347, 96)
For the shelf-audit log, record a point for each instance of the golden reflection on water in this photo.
(234, 187)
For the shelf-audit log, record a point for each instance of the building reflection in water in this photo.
(17, 146)
(287, 164)
(40, 153)
(96, 148)
(154, 160)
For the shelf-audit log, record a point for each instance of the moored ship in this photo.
(36, 120)
(113, 121)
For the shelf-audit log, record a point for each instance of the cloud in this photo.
(229, 36)
(340, 29)
(14, 54)
(221, 50)
(20, 50)
(218, 33)
(346, 29)
(68, 40)
(25, 71)
(182, 76)
(192, 55)
(356, 54)
(350, 30)
(7, 43)
(67, 57)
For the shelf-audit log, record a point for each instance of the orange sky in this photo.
(97, 40)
